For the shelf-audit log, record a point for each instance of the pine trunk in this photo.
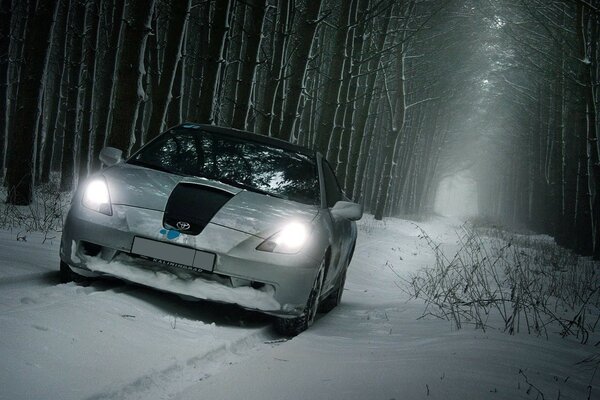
(329, 129)
(253, 30)
(108, 81)
(361, 140)
(212, 65)
(22, 133)
(161, 98)
(274, 77)
(91, 48)
(129, 90)
(300, 50)
(350, 106)
(5, 16)
(70, 150)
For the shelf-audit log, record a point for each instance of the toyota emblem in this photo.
(183, 226)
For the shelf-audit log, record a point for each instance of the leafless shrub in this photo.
(45, 214)
(530, 282)
(368, 224)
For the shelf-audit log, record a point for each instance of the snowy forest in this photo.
(400, 95)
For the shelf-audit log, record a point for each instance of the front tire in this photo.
(335, 298)
(297, 325)
(67, 275)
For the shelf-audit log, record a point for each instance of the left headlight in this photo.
(289, 240)
(96, 196)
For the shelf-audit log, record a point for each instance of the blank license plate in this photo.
(171, 254)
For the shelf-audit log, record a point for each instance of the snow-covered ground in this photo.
(113, 340)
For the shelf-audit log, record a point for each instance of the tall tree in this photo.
(178, 16)
(398, 117)
(299, 48)
(212, 64)
(5, 14)
(275, 72)
(253, 29)
(91, 66)
(130, 91)
(108, 82)
(60, 56)
(361, 140)
(331, 98)
(22, 132)
(76, 28)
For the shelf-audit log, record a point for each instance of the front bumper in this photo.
(278, 284)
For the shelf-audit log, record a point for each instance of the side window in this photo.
(333, 192)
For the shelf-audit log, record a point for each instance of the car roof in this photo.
(250, 136)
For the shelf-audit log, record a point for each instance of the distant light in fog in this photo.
(457, 196)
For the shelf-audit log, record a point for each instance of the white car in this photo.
(218, 214)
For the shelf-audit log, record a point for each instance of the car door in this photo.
(340, 228)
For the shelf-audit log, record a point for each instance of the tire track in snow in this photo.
(175, 378)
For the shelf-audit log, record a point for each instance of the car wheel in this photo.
(335, 298)
(67, 275)
(294, 326)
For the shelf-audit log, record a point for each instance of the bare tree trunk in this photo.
(70, 150)
(398, 120)
(130, 91)
(232, 59)
(253, 29)
(274, 77)
(360, 140)
(586, 77)
(175, 113)
(161, 98)
(5, 16)
(60, 55)
(218, 32)
(350, 104)
(91, 48)
(197, 71)
(108, 81)
(21, 135)
(332, 95)
(300, 50)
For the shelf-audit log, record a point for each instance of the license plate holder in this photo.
(173, 255)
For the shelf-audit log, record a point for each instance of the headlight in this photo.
(96, 196)
(288, 240)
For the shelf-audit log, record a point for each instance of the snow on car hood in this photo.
(148, 188)
(261, 215)
(249, 212)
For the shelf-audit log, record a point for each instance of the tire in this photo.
(335, 298)
(67, 275)
(297, 325)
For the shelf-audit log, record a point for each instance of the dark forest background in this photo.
(399, 95)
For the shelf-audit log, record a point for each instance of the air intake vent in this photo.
(191, 207)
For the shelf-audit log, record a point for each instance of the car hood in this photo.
(249, 212)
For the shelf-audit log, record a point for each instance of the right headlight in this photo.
(289, 240)
(96, 196)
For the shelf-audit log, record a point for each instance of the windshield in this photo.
(250, 165)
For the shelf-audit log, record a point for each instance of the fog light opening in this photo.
(257, 285)
(90, 249)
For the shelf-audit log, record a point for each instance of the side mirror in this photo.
(110, 156)
(347, 210)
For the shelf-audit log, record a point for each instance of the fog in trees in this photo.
(457, 107)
